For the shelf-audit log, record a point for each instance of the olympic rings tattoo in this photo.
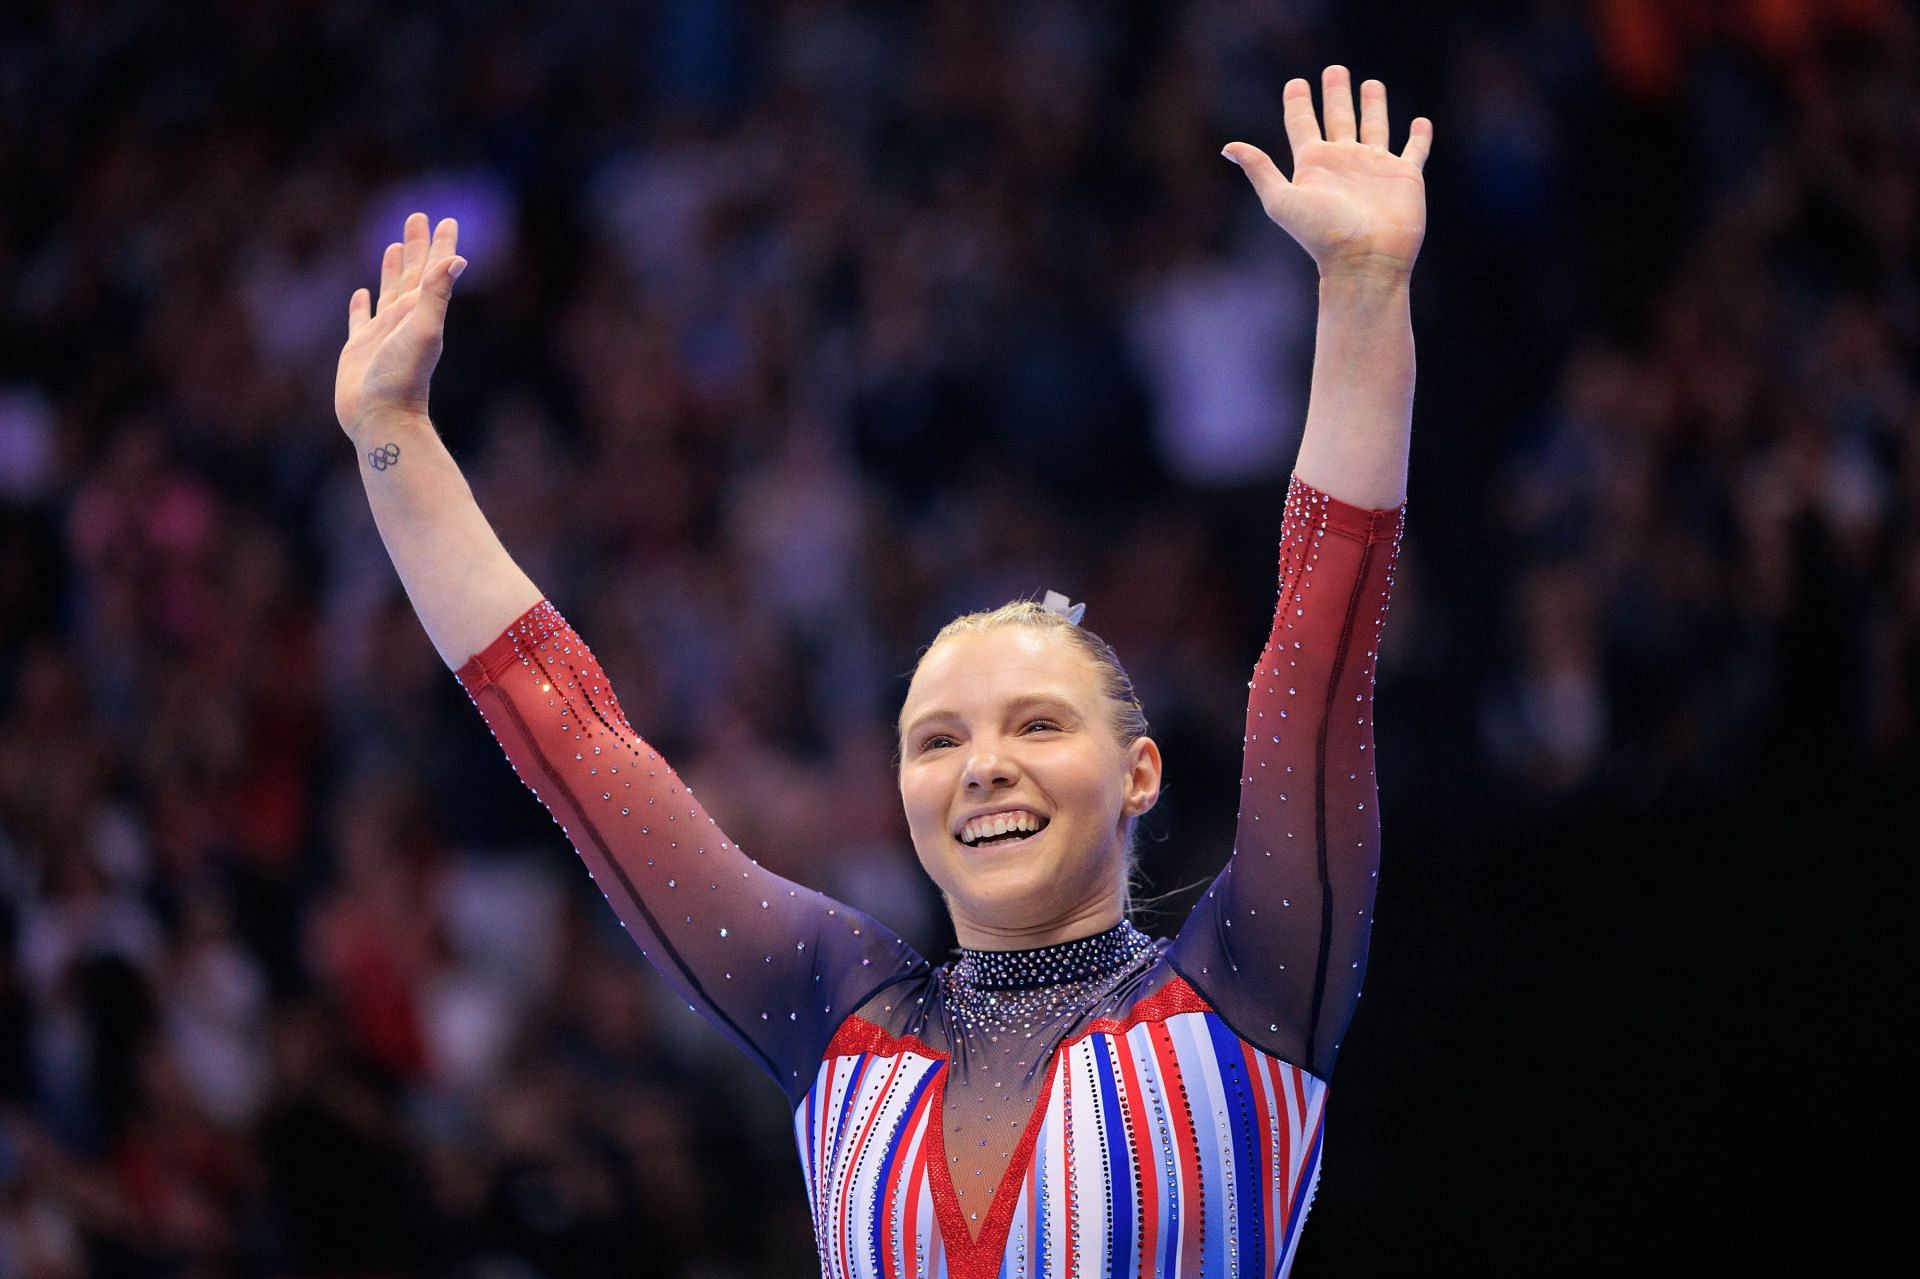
(383, 457)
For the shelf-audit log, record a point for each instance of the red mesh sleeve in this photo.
(1278, 945)
(775, 966)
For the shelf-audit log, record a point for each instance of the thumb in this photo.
(1275, 192)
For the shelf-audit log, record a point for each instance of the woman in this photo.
(1069, 1097)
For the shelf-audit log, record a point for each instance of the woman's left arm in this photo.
(1278, 945)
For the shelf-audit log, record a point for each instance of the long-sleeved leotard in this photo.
(1109, 1106)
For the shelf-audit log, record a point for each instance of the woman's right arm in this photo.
(463, 584)
(775, 966)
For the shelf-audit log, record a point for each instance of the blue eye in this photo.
(937, 737)
(1044, 723)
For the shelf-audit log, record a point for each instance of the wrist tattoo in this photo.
(384, 456)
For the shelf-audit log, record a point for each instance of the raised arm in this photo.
(1361, 212)
(775, 966)
(1279, 942)
(463, 584)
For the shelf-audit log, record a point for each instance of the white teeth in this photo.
(998, 824)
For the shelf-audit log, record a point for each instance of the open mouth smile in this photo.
(1001, 829)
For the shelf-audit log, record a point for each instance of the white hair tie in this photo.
(1055, 602)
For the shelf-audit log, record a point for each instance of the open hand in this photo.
(392, 346)
(1353, 204)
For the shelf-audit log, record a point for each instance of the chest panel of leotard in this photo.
(1156, 1142)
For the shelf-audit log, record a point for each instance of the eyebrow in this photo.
(1021, 702)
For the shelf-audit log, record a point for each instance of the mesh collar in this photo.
(1100, 955)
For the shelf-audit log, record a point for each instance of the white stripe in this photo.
(1274, 1198)
(850, 1173)
(1295, 1109)
(1165, 1144)
(1053, 1148)
(1201, 1073)
(1090, 1135)
(897, 1209)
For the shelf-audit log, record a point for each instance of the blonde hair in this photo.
(1129, 716)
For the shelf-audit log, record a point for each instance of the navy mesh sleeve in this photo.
(775, 966)
(1279, 943)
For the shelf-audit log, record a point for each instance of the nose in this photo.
(987, 769)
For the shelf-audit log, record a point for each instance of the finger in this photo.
(436, 289)
(359, 311)
(1374, 130)
(1419, 141)
(446, 237)
(389, 275)
(415, 240)
(1275, 192)
(1336, 103)
(1296, 105)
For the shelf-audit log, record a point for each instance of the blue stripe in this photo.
(812, 1112)
(1120, 1228)
(852, 1091)
(900, 1135)
(1306, 1181)
(1243, 1097)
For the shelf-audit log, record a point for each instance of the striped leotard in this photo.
(1112, 1105)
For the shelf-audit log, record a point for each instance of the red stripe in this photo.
(1306, 1169)
(1297, 1136)
(919, 1176)
(1193, 1206)
(1171, 1000)
(899, 1173)
(1066, 1164)
(821, 1122)
(1257, 1080)
(1135, 1112)
(1284, 1131)
(856, 1070)
(967, 1257)
(1283, 1128)
(852, 1164)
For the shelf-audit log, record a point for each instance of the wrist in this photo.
(1368, 299)
(381, 425)
(1361, 280)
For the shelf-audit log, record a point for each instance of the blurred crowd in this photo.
(793, 329)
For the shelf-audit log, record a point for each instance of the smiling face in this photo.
(1014, 720)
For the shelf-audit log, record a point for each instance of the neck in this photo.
(975, 934)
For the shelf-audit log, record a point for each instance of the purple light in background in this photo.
(478, 198)
(26, 443)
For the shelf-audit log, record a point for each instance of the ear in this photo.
(1142, 787)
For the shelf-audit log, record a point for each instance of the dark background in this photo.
(796, 327)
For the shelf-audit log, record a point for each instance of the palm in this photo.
(392, 348)
(1351, 203)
